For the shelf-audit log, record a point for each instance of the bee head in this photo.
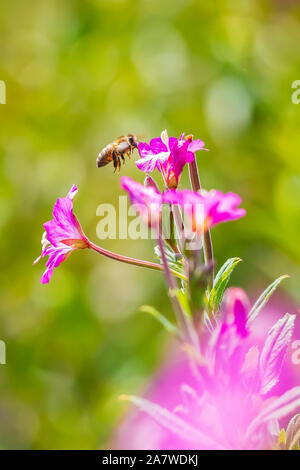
(133, 140)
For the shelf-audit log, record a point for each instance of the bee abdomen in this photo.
(105, 156)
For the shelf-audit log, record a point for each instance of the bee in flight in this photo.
(115, 151)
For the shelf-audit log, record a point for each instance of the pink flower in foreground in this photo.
(204, 210)
(63, 235)
(207, 208)
(229, 405)
(168, 155)
(146, 200)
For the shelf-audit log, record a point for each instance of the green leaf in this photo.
(159, 317)
(182, 299)
(174, 260)
(263, 299)
(220, 283)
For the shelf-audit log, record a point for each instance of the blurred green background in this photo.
(78, 74)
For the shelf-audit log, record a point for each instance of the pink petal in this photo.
(195, 145)
(174, 423)
(147, 200)
(73, 191)
(278, 408)
(190, 157)
(144, 150)
(157, 145)
(148, 164)
(63, 226)
(274, 351)
(173, 143)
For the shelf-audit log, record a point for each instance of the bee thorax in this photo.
(123, 147)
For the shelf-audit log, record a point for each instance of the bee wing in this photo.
(121, 139)
(123, 146)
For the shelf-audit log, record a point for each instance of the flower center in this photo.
(76, 243)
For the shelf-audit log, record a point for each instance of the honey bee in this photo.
(115, 151)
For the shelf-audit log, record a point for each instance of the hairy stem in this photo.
(185, 325)
(172, 286)
(207, 242)
(179, 226)
(133, 261)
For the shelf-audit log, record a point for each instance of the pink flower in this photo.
(233, 327)
(63, 235)
(146, 200)
(204, 210)
(207, 208)
(168, 155)
(229, 405)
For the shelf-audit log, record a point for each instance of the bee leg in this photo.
(119, 164)
(123, 159)
(115, 161)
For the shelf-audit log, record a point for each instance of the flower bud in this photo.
(236, 307)
(150, 183)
